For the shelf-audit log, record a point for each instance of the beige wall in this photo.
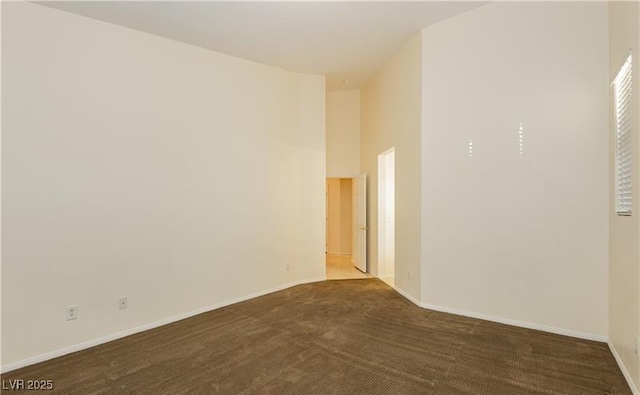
(624, 296)
(142, 167)
(520, 238)
(391, 118)
(343, 133)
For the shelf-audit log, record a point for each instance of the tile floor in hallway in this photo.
(340, 267)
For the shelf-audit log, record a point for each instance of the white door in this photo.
(360, 222)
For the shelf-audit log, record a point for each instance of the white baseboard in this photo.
(406, 295)
(623, 368)
(529, 325)
(522, 324)
(507, 321)
(105, 339)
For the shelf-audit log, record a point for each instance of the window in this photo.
(623, 95)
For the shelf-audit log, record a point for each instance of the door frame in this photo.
(386, 216)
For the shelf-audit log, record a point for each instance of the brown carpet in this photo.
(340, 337)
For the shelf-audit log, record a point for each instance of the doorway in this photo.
(340, 230)
(386, 216)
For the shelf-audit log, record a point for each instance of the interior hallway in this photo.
(340, 267)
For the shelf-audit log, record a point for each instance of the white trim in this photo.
(623, 368)
(522, 324)
(507, 321)
(528, 325)
(406, 295)
(145, 327)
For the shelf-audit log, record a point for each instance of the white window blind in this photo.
(623, 95)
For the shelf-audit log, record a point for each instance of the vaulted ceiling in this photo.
(346, 41)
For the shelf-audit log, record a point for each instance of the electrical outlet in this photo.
(287, 267)
(123, 303)
(408, 274)
(638, 347)
(71, 312)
